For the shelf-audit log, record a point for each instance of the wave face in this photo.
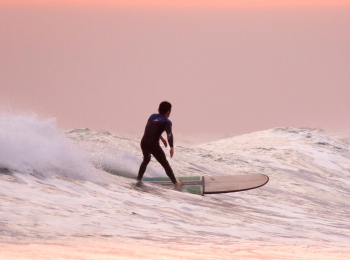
(79, 183)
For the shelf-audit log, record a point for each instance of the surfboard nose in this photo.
(233, 183)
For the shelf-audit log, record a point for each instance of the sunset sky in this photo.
(189, 3)
(226, 66)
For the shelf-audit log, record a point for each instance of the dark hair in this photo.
(164, 107)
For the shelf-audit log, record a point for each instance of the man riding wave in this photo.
(156, 125)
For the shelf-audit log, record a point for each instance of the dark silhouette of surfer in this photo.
(156, 125)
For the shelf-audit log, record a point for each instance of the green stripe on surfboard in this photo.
(193, 189)
(187, 178)
(192, 184)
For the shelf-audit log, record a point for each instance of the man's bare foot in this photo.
(179, 184)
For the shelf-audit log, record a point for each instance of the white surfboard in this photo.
(215, 184)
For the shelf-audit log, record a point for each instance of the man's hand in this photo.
(171, 152)
(164, 141)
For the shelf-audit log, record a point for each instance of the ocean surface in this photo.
(79, 184)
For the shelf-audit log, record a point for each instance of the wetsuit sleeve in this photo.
(169, 134)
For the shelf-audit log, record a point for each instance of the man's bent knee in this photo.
(146, 159)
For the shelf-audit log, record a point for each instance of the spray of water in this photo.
(39, 147)
(31, 146)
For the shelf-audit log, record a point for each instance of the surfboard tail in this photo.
(191, 184)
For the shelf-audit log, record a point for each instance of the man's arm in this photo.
(170, 138)
(164, 141)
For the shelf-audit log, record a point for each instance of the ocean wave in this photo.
(57, 183)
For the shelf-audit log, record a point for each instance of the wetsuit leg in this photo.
(145, 162)
(159, 154)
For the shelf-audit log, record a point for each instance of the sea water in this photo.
(64, 184)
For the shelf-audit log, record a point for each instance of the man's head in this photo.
(164, 108)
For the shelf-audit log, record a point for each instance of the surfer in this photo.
(155, 126)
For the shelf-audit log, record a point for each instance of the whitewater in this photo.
(71, 194)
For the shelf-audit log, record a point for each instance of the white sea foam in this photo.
(40, 148)
(119, 155)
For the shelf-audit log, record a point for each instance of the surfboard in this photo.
(214, 184)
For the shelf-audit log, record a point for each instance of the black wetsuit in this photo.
(156, 125)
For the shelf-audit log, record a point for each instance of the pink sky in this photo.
(187, 3)
(226, 70)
